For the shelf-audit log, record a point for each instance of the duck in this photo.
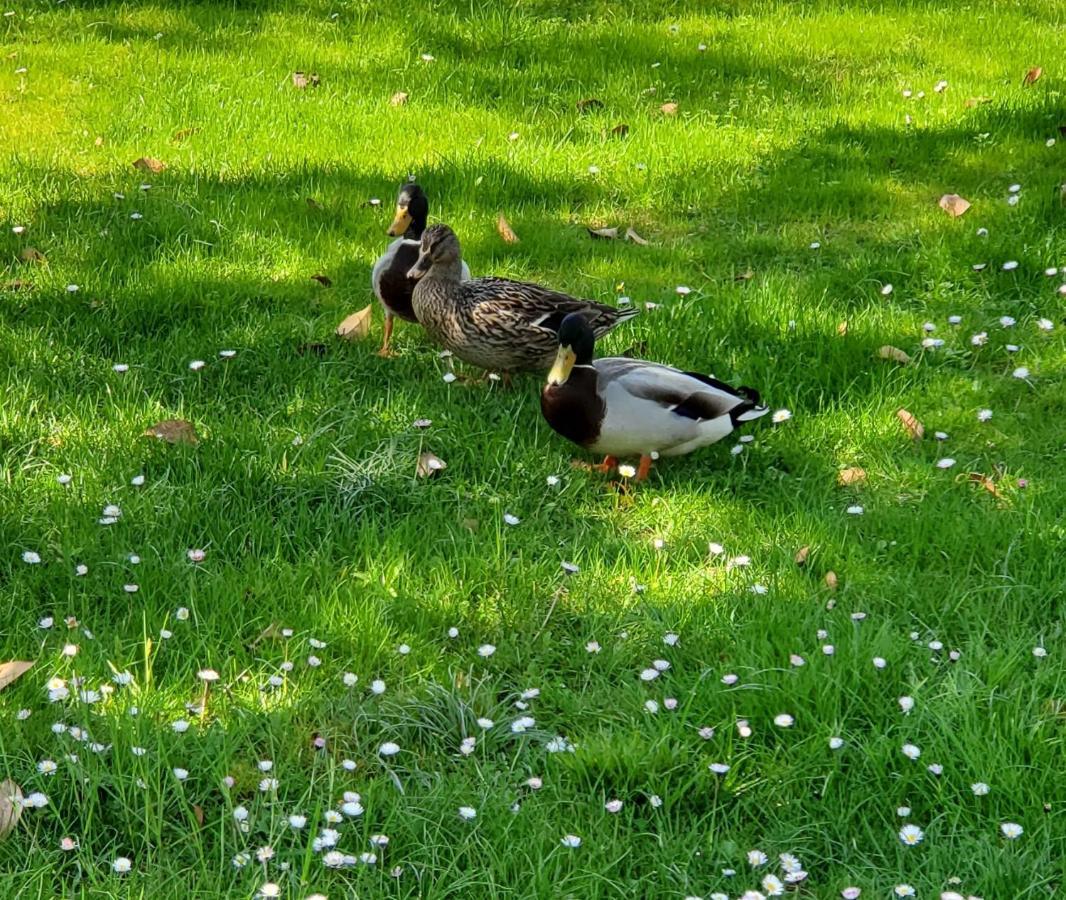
(626, 407)
(495, 324)
(389, 278)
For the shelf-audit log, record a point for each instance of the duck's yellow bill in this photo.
(564, 362)
(401, 223)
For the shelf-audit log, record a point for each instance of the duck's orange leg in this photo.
(644, 468)
(609, 463)
(385, 350)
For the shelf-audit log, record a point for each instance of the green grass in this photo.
(791, 129)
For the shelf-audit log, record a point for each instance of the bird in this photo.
(625, 407)
(494, 323)
(389, 276)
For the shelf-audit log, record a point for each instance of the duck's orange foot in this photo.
(608, 465)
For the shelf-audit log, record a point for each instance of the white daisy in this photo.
(911, 835)
(1011, 830)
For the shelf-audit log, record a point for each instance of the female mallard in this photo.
(494, 323)
(389, 277)
(623, 407)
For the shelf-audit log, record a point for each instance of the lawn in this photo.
(351, 608)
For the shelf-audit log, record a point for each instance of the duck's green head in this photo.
(576, 342)
(412, 208)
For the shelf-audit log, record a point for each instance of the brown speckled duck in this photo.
(389, 276)
(493, 323)
(628, 407)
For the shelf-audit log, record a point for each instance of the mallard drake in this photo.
(624, 407)
(494, 323)
(389, 276)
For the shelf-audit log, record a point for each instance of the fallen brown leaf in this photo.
(893, 353)
(987, 483)
(853, 475)
(802, 554)
(954, 205)
(323, 280)
(9, 671)
(604, 233)
(198, 814)
(842, 328)
(589, 104)
(173, 431)
(179, 136)
(398, 99)
(1032, 76)
(631, 235)
(302, 80)
(831, 580)
(505, 230)
(357, 325)
(668, 109)
(620, 130)
(914, 428)
(746, 275)
(31, 254)
(429, 464)
(10, 807)
(149, 164)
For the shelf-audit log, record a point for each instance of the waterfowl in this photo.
(625, 407)
(494, 323)
(389, 276)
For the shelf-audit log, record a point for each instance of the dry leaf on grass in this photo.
(429, 464)
(954, 205)
(831, 580)
(987, 483)
(620, 130)
(31, 254)
(853, 475)
(398, 99)
(173, 431)
(10, 807)
(977, 101)
(179, 136)
(505, 230)
(9, 671)
(323, 280)
(302, 80)
(741, 277)
(604, 233)
(589, 104)
(842, 328)
(1032, 76)
(149, 164)
(893, 353)
(914, 428)
(631, 235)
(669, 109)
(802, 554)
(357, 325)
(198, 814)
